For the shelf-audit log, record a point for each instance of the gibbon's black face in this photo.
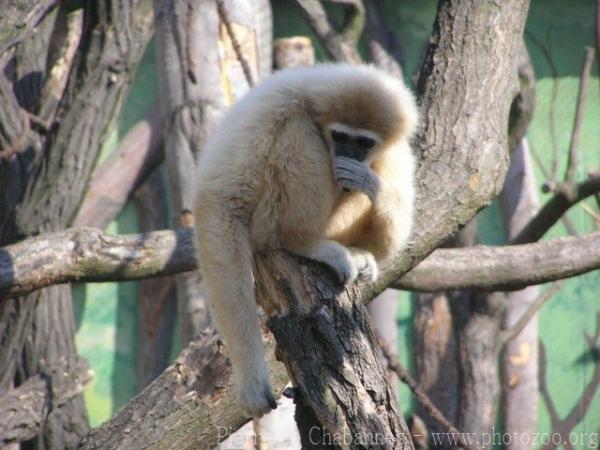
(351, 143)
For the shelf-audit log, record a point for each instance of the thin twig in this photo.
(335, 42)
(539, 162)
(509, 334)
(567, 423)
(555, 88)
(420, 396)
(590, 212)
(598, 29)
(573, 160)
(224, 16)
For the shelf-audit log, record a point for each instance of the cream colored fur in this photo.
(268, 179)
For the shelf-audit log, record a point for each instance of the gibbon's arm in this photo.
(389, 186)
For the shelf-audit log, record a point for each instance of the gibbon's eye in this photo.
(365, 142)
(340, 136)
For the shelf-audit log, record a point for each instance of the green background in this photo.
(556, 34)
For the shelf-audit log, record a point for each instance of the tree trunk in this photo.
(435, 353)
(337, 371)
(520, 357)
(200, 76)
(383, 311)
(157, 301)
(67, 58)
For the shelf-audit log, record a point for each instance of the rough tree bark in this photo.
(435, 355)
(189, 406)
(200, 76)
(473, 44)
(62, 82)
(157, 299)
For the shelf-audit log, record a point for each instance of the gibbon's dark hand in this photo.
(355, 176)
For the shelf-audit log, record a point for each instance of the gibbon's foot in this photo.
(255, 395)
(356, 176)
(334, 255)
(366, 265)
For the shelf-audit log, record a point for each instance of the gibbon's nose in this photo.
(350, 150)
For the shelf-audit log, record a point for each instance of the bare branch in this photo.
(14, 124)
(66, 38)
(20, 18)
(337, 43)
(555, 208)
(87, 254)
(565, 425)
(189, 406)
(520, 202)
(420, 395)
(504, 268)
(384, 47)
(448, 196)
(511, 333)
(113, 182)
(224, 16)
(573, 159)
(337, 371)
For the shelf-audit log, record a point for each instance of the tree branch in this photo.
(25, 409)
(338, 371)
(113, 182)
(385, 49)
(448, 194)
(19, 19)
(512, 332)
(573, 159)
(340, 45)
(89, 255)
(555, 208)
(86, 254)
(421, 396)
(504, 268)
(189, 406)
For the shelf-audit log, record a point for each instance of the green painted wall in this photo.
(557, 31)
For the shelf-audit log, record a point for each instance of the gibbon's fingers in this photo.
(368, 270)
(357, 176)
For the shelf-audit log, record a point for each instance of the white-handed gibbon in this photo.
(315, 161)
